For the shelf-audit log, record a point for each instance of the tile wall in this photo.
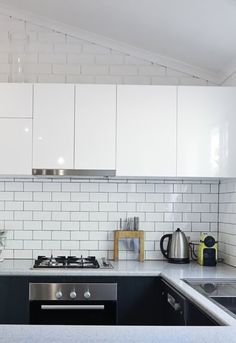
(227, 221)
(78, 216)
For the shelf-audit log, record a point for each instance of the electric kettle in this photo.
(177, 247)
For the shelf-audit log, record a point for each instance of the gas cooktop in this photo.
(71, 262)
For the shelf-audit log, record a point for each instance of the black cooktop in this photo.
(66, 262)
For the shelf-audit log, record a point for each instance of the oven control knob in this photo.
(59, 295)
(73, 295)
(87, 295)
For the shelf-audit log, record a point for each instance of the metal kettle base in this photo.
(178, 260)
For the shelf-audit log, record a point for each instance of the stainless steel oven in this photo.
(73, 303)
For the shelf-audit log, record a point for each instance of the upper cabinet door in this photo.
(146, 131)
(16, 100)
(95, 127)
(53, 142)
(15, 146)
(206, 132)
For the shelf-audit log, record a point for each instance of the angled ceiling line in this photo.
(92, 38)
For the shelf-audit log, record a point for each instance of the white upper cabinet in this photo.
(146, 130)
(53, 142)
(206, 132)
(95, 127)
(15, 146)
(16, 100)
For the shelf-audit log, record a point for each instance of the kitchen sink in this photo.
(220, 291)
(227, 302)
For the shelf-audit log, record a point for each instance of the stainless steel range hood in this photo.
(73, 172)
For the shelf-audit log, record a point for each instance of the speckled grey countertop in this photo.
(115, 334)
(173, 273)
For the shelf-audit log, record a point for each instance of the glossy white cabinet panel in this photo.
(95, 127)
(206, 132)
(15, 146)
(146, 130)
(16, 100)
(53, 139)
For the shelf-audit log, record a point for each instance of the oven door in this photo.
(73, 303)
(73, 313)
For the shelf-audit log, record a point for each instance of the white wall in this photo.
(50, 56)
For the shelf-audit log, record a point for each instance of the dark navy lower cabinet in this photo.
(141, 300)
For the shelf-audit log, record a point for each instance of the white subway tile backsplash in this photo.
(89, 187)
(51, 225)
(51, 206)
(79, 235)
(179, 207)
(191, 217)
(126, 207)
(108, 206)
(126, 187)
(200, 207)
(89, 245)
(183, 188)
(51, 187)
(60, 196)
(99, 197)
(176, 197)
(39, 215)
(155, 217)
(66, 216)
(117, 197)
(191, 198)
(13, 206)
(135, 197)
(24, 215)
(22, 234)
(201, 188)
(89, 206)
(13, 186)
(61, 235)
(32, 244)
(210, 198)
(80, 197)
(6, 196)
(145, 188)
(71, 226)
(51, 245)
(172, 217)
(164, 188)
(33, 187)
(79, 216)
(42, 196)
(70, 206)
(42, 235)
(108, 187)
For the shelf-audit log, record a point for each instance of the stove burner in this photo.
(66, 262)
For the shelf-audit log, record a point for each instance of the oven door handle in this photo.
(72, 307)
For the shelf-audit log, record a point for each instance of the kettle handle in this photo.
(165, 251)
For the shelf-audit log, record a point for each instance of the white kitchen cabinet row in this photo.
(143, 131)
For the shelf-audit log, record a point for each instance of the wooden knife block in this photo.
(129, 234)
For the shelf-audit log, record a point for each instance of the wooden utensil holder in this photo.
(129, 234)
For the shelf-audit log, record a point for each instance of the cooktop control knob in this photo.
(73, 295)
(59, 295)
(87, 295)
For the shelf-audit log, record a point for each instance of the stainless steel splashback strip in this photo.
(73, 172)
